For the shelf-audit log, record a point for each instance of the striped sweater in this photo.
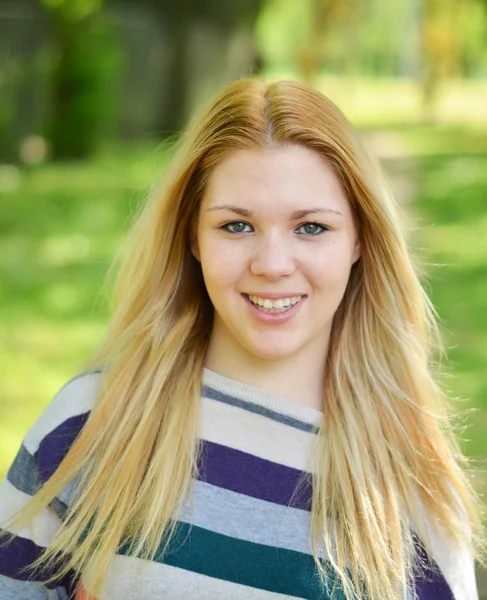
(250, 515)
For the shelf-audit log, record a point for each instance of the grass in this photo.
(59, 228)
(452, 206)
(61, 224)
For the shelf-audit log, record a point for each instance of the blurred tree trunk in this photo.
(440, 51)
(323, 15)
(77, 79)
(217, 56)
(175, 93)
(410, 51)
(67, 136)
(183, 22)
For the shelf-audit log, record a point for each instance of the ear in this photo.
(356, 252)
(193, 246)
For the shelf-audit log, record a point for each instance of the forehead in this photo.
(282, 177)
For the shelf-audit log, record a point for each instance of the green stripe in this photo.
(246, 563)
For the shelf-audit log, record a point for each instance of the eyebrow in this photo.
(297, 214)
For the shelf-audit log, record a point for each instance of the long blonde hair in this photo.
(386, 452)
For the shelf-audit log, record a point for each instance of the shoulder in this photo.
(50, 438)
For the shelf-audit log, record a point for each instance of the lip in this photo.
(274, 318)
(274, 296)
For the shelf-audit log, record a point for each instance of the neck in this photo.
(298, 377)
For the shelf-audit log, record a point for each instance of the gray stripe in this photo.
(12, 589)
(66, 495)
(59, 508)
(246, 518)
(24, 472)
(212, 394)
(24, 476)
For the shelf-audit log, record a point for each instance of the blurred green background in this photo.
(93, 92)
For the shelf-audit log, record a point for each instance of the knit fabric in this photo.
(249, 513)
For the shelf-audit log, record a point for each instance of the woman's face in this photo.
(275, 229)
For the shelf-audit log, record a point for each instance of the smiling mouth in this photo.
(277, 305)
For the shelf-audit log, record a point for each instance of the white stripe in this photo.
(456, 564)
(41, 530)
(127, 580)
(255, 395)
(75, 398)
(271, 440)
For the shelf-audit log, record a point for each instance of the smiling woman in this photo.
(262, 419)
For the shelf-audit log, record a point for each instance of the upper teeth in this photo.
(281, 303)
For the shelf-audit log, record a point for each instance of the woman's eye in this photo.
(306, 229)
(312, 228)
(236, 227)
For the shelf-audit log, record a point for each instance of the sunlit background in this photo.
(93, 92)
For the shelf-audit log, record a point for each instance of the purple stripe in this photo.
(428, 579)
(54, 447)
(253, 476)
(15, 556)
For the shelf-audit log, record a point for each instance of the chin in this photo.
(271, 353)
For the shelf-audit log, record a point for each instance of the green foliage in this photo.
(84, 76)
(73, 11)
(381, 36)
(378, 37)
(281, 30)
(85, 89)
(473, 26)
(9, 81)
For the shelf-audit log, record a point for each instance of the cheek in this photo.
(330, 268)
(221, 266)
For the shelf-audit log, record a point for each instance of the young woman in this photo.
(262, 420)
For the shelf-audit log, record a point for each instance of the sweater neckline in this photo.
(249, 393)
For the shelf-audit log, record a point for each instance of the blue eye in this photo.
(312, 228)
(235, 227)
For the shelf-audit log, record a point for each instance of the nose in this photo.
(273, 258)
